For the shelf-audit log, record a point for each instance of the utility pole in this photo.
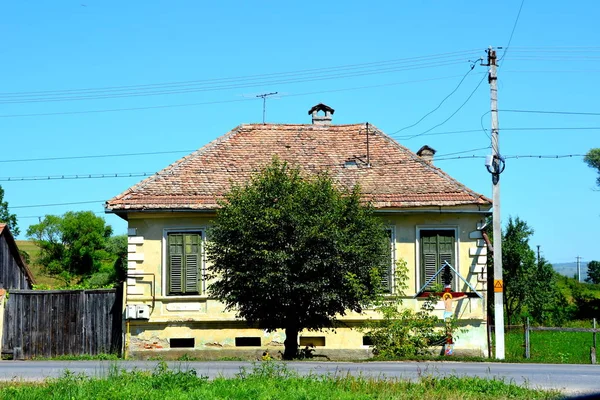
(538, 247)
(495, 165)
(578, 268)
(264, 97)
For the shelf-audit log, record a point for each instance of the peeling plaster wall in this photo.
(204, 319)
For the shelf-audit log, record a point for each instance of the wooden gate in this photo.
(49, 323)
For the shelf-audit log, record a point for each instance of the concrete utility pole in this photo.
(578, 269)
(495, 165)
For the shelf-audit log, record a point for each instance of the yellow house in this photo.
(431, 218)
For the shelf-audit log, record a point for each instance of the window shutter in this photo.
(436, 248)
(386, 278)
(429, 258)
(176, 264)
(192, 263)
(446, 250)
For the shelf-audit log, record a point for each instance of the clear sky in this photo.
(386, 63)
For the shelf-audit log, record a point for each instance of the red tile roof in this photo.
(397, 177)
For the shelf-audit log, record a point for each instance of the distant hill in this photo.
(570, 269)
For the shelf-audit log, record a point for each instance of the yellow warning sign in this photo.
(498, 285)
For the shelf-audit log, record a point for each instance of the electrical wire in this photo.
(551, 112)
(465, 151)
(58, 204)
(455, 112)
(440, 104)
(253, 170)
(244, 77)
(516, 157)
(222, 101)
(513, 31)
(156, 92)
(95, 156)
(76, 176)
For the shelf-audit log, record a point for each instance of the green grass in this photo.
(80, 357)
(550, 347)
(267, 380)
(40, 277)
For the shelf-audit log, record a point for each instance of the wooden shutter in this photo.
(386, 278)
(192, 263)
(184, 263)
(445, 250)
(429, 257)
(436, 248)
(176, 263)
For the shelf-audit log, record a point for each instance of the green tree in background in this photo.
(592, 158)
(6, 217)
(72, 244)
(293, 252)
(593, 272)
(529, 285)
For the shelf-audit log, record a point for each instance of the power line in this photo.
(252, 170)
(552, 112)
(440, 104)
(222, 101)
(248, 77)
(76, 176)
(59, 204)
(155, 92)
(516, 157)
(465, 151)
(95, 156)
(455, 112)
(513, 31)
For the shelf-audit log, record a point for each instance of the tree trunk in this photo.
(291, 343)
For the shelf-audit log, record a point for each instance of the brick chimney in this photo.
(426, 153)
(321, 114)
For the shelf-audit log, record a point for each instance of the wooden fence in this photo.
(49, 323)
(593, 330)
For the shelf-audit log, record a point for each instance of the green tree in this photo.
(593, 272)
(592, 158)
(529, 286)
(293, 252)
(6, 217)
(518, 260)
(74, 244)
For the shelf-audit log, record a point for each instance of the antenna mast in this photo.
(264, 97)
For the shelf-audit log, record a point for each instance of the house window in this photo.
(387, 280)
(437, 247)
(184, 259)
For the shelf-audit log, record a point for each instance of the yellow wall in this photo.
(205, 320)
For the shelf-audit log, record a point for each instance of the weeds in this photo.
(265, 380)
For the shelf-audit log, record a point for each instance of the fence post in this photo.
(593, 349)
(527, 344)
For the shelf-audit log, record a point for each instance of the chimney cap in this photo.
(321, 107)
(426, 150)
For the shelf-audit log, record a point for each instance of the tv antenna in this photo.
(264, 97)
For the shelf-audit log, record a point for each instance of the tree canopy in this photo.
(6, 217)
(72, 244)
(593, 272)
(529, 284)
(293, 251)
(592, 158)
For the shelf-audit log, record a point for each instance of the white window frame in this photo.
(165, 261)
(418, 230)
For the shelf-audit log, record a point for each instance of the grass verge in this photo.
(269, 380)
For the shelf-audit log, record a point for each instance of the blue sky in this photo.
(395, 61)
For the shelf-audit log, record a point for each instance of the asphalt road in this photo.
(572, 379)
